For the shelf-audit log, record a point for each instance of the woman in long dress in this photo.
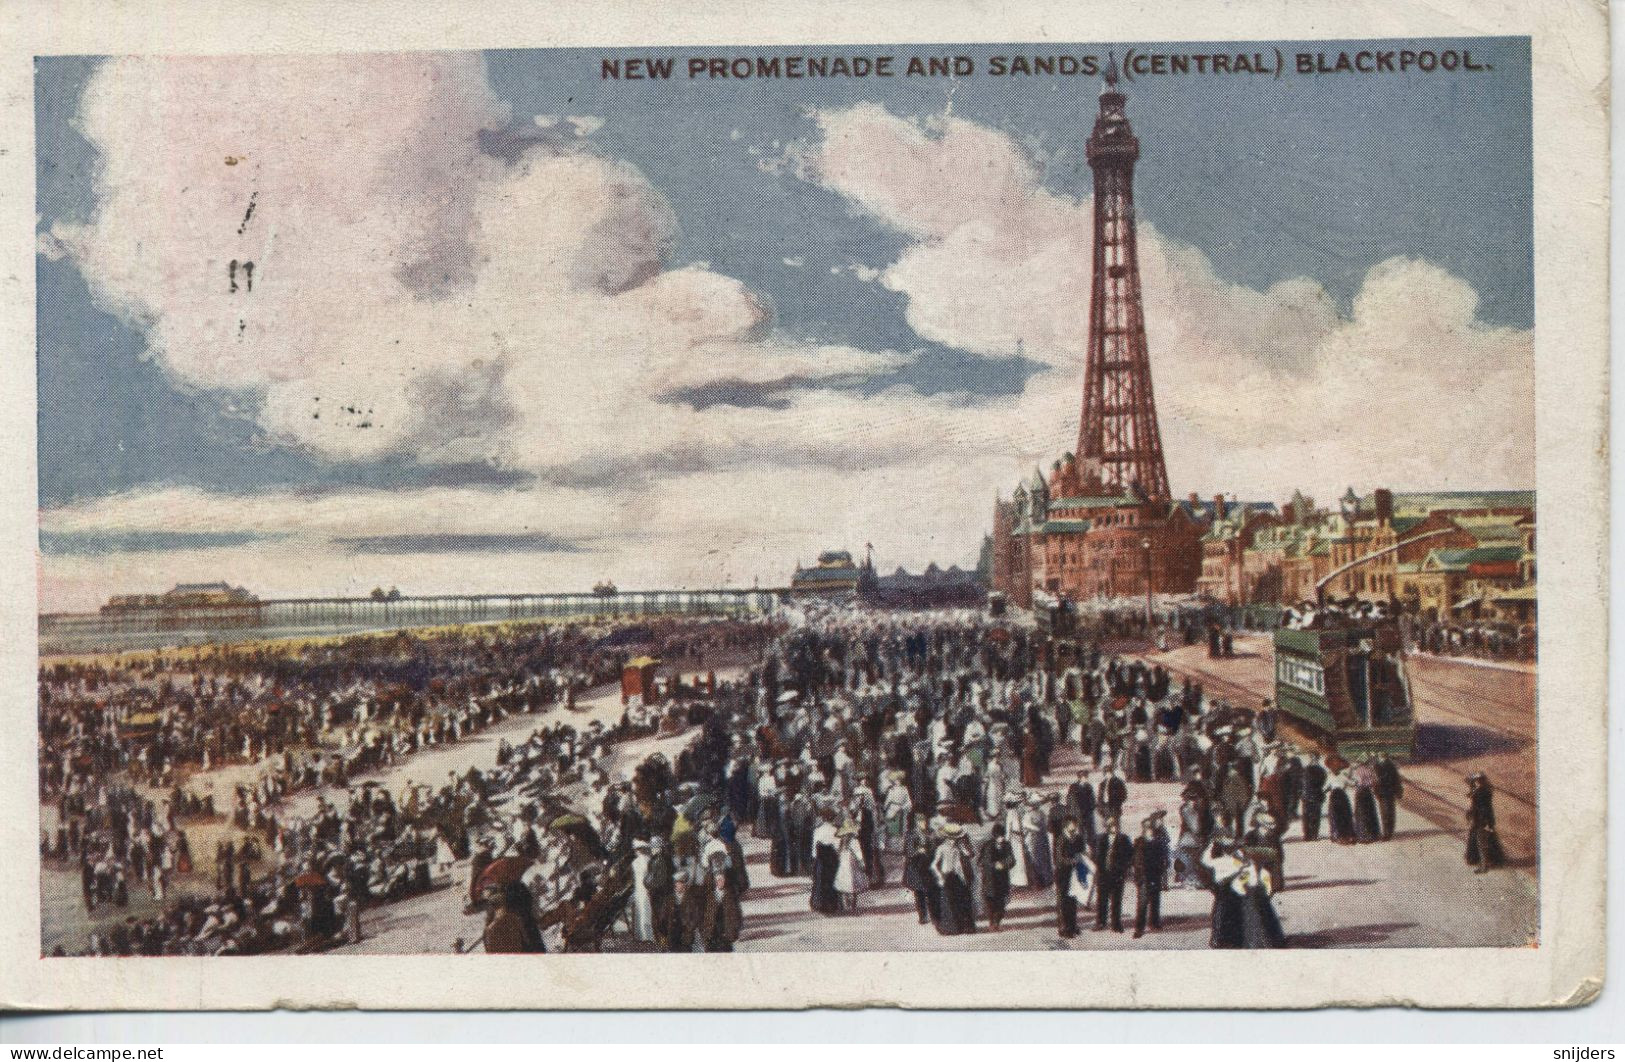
(826, 857)
(767, 804)
(1339, 810)
(1260, 925)
(899, 810)
(993, 798)
(1037, 841)
(770, 816)
(1015, 827)
(850, 875)
(1228, 916)
(1031, 763)
(643, 912)
(951, 868)
(1367, 823)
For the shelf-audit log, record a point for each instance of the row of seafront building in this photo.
(1450, 555)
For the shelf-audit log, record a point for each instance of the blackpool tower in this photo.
(1119, 445)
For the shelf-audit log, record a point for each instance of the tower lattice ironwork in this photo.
(1119, 444)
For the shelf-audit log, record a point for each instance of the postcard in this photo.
(1100, 505)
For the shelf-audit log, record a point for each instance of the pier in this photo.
(153, 628)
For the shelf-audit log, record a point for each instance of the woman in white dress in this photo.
(850, 877)
(899, 811)
(1015, 828)
(642, 907)
(993, 803)
(444, 857)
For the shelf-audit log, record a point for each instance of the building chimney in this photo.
(1196, 502)
(1289, 513)
(1218, 507)
(1384, 501)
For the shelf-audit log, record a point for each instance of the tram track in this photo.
(1426, 674)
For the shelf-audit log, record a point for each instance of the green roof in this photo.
(1063, 527)
(1454, 559)
(1490, 530)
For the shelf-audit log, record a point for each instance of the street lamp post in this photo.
(1145, 544)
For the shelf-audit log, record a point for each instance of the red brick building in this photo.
(1055, 537)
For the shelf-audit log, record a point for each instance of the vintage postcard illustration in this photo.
(621, 505)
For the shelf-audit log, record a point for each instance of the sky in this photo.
(513, 326)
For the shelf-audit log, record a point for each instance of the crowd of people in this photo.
(988, 771)
(871, 745)
(308, 720)
(1491, 641)
(869, 751)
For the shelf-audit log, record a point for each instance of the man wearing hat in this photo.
(1150, 875)
(1313, 790)
(1483, 846)
(1113, 794)
(1071, 870)
(1390, 788)
(1080, 801)
(1114, 860)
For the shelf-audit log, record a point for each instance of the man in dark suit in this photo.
(1114, 861)
(1314, 791)
(1080, 801)
(1070, 847)
(1113, 793)
(1150, 872)
(1390, 787)
(1292, 782)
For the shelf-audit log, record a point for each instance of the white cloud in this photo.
(411, 295)
(1258, 391)
(49, 247)
(525, 313)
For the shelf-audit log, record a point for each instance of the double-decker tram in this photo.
(1343, 685)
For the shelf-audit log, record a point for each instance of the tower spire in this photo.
(1119, 443)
